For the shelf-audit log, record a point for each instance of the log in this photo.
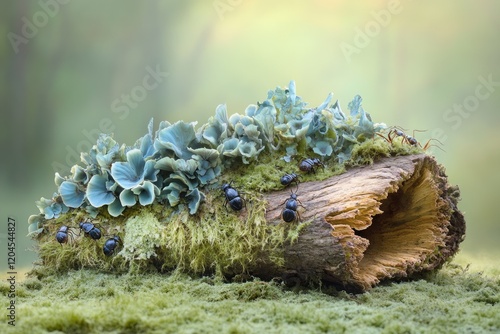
(393, 219)
(390, 220)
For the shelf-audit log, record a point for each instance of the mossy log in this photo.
(390, 220)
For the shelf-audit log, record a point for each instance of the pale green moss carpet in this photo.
(453, 300)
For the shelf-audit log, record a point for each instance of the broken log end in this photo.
(390, 220)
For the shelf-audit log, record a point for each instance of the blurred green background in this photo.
(72, 69)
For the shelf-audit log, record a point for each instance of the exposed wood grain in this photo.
(389, 220)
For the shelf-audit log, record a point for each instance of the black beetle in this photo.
(232, 197)
(110, 245)
(62, 234)
(287, 179)
(290, 213)
(309, 165)
(89, 229)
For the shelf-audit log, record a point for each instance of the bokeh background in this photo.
(72, 69)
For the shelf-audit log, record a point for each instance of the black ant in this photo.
(287, 179)
(309, 165)
(410, 140)
(290, 212)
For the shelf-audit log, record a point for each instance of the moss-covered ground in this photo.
(452, 300)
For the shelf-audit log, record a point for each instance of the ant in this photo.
(309, 165)
(410, 140)
(288, 179)
(290, 212)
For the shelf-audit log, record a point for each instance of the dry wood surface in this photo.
(393, 219)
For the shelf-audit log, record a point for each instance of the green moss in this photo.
(143, 234)
(370, 150)
(453, 300)
(293, 234)
(215, 239)
(264, 175)
(223, 241)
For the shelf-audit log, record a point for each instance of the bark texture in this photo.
(390, 220)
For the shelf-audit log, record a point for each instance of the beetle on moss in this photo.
(91, 230)
(236, 202)
(309, 165)
(63, 233)
(110, 245)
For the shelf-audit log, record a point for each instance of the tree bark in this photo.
(389, 220)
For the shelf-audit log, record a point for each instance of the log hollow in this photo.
(389, 220)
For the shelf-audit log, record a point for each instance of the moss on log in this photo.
(392, 219)
(389, 220)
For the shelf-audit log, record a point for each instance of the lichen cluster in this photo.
(174, 164)
(175, 175)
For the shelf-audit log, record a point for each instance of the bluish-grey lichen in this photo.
(176, 163)
(72, 194)
(101, 189)
(35, 225)
(52, 208)
(176, 139)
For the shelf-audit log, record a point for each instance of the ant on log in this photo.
(290, 213)
(288, 179)
(410, 140)
(309, 165)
